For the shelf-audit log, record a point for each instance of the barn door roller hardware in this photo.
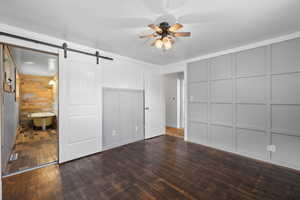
(64, 46)
(97, 56)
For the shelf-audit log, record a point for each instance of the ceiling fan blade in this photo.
(175, 27)
(182, 34)
(148, 36)
(155, 28)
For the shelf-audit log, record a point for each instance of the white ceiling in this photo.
(33, 62)
(114, 25)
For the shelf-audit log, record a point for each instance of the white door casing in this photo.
(80, 123)
(153, 105)
(1, 113)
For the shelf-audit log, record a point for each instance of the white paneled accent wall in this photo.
(248, 102)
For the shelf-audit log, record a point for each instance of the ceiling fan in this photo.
(165, 34)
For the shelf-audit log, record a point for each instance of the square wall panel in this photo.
(221, 91)
(198, 92)
(222, 137)
(198, 71)
(250, 115)
(80, 125)
(286, 118)
(285, 56)
(198, 111)
(286, 88)
(287, 149)
(222, 113)
(252, 62)
(252, 90)
(198, 133)
(253, 143)
(221, 67)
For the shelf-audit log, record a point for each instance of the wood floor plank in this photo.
(160, 168)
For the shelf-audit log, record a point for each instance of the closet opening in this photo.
(123, 117)
(29, 109)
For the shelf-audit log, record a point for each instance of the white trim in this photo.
(186, 102)
(253, 45)
(178, 106)
(1, 114)
(31, 169)
(249, 156)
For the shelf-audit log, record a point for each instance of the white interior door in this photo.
(153, 105)
(80, 123)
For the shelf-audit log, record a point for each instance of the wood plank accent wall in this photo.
(36, 94)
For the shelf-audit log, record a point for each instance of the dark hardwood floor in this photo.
(161, 168)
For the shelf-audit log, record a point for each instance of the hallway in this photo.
(176, 132)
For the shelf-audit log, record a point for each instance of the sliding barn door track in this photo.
(64, 46)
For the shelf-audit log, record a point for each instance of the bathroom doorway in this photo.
(29, 109)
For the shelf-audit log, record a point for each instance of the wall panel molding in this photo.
(257, 98)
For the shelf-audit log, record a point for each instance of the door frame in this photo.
(2, 45)
(1, 112)
(185, 98)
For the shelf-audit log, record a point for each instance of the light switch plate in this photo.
(271, 148)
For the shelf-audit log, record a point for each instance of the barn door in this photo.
(153, 105)
(79, 106)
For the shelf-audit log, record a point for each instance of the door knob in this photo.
(147, 108)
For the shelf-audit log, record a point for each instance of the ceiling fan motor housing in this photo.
(164, 26)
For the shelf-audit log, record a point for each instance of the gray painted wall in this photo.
(243, 102)
(170, 84)
(10, 124)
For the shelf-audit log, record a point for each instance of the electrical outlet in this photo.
(114, 132)
(271, 148)
(136, 128)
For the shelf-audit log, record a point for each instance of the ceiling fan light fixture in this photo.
(159, 43)
(165, 34)
(167, 43)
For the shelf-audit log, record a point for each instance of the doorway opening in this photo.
(29, 109)
(174, 104)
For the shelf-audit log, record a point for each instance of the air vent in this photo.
(13, 157)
